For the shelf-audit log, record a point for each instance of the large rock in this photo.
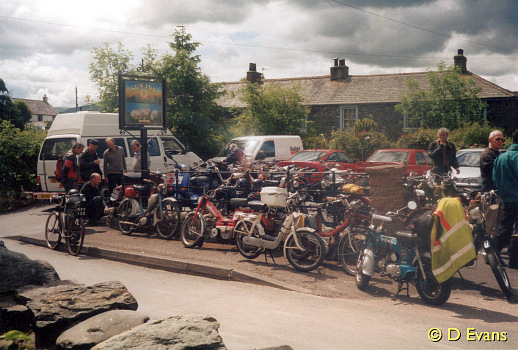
(16, 271)
(62, 306)
(14, 316)
(175, 333)
(99, 328)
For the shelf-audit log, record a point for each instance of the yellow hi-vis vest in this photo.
(454, 248)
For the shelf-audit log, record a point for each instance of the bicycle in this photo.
(67, 221)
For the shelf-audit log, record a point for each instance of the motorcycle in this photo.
(406, 258)
(161, 213)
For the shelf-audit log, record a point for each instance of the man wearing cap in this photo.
(89, 161)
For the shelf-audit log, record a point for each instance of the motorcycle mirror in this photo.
(412, 205)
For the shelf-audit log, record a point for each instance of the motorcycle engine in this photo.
(388, 265)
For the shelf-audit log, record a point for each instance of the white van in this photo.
(82, 127)
(266, 147)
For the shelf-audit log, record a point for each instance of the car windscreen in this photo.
(307, 156)
(469, 159)
(389, 156)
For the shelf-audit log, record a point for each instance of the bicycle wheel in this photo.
(242, 229)
(349, 249)
(168, 223)
(53, 230)
(75, 235)
(499, 272)
(193, 229)
(124, 211)
(313, 253)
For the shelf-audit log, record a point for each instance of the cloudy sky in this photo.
(45, 46)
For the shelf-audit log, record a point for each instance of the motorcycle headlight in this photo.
(475, 215)
(162, 188)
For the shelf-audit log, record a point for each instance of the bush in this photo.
(472, 136)
(359, 146)
(419, 139)
(364, 125)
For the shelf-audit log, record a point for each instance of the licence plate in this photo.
(43, 195)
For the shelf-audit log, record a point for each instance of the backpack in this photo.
(60, 164)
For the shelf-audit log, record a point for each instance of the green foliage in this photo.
(18, 158)
(418, 139)
(8, 110)
(359, 146)
(365, 124)
(105, 69)
(192, 113)
(473, 136)
(272, 110)
(450, 100)
(19, 340)
(315, 137)
(25, 112)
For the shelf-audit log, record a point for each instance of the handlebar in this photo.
(381, 217)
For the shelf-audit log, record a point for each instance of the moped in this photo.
(406, 258)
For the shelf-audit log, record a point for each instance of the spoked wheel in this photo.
(313, 250)
(349, 249)
(193, 229)
(499, 272)
(124, 212)
(53, 230)
(168, 225)
(242, 229)
(431, 291)
(362, 280)
(75, 235)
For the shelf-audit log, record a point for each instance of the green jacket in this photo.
(505, 174)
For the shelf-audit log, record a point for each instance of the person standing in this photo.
(505, 177)
(137, 158)
(70, 174)
(114, 164)
(236, 155)
(95, 206)
(89, 161)
(487, 159)
(443, 154)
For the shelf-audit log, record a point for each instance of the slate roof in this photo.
(356, 89)
(38, 107)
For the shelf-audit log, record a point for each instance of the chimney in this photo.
(339, 71)
(253, 76)
(45, 99)
(460, 61)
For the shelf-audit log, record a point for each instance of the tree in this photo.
(105, 69)
(8, 110)
(273, 110)
(192, 113)
(25, 113)
(450, 101)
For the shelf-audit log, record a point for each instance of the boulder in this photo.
(174, 333)
(59, 307)
(17, 270)
(99, 328)
(14, 316)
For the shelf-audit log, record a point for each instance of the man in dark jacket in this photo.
(89, 161)
(95, 206)
(70, 174)
(487, 159)
(505, 177)
(443, 154)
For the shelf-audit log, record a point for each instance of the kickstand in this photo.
(462, 278)
(400, 288)
(271, 256)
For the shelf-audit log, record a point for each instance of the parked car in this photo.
(469, 166)
(416, 160)
(320, 160)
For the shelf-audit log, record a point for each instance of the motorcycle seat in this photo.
(406, 238)
(141, 188)
(257, 206)
(198, 180)
(238, 202)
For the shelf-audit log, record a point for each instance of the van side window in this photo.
(171, 147)
(53, 149)
(119, 141)
(268, 148)
(152, 147)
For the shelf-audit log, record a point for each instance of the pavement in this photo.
(224, 262)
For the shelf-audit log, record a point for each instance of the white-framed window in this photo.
(348, 116)
(408, 123)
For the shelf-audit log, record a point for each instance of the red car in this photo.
(416, 160)
(320, 160)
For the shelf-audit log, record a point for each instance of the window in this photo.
(348, 116)
(152, 147)
(119, 141)
(268, 148)
(428, 159)
(171, 147)
(344, 158)
(53, 149)
(419, 159)
(408, 123)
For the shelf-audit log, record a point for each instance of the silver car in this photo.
(469, 166)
